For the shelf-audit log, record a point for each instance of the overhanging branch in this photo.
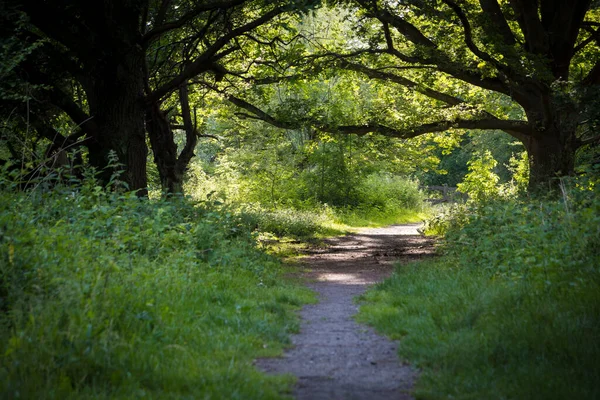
(205, 62)
(516, 128)
(185, 18)
(468, 33)
(378, 74)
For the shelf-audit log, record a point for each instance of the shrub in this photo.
(283, 222)
(384, 191)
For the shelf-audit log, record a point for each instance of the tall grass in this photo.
(511, 310)
(378, 199)
(109, 296)
(384, 199)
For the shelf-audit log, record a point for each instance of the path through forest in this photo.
(333, 356)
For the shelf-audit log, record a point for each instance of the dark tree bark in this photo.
(98, 44)
(104, 46)
(164, 150)
(116, 101)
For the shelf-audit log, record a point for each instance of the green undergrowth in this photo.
(108, 296)
(321, 222)
(376, 200)
(511, 308)
(377, 218)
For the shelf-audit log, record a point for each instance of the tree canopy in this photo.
(112, 74)
(530, 69)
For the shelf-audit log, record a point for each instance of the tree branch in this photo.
(536, 39)
(437, 58)
(594, 35)
(187, 17)
(405, 28)
(66, 103)
(260, 114)
(191, 138)
(517, 127)
(377, 74)
(205, 62)
(593, 77)
(469, 35)
(492, 9)
(592, 140)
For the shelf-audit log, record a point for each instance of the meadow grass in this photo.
(511, 308)
(112, 297)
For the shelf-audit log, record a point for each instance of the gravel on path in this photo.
(333, 356)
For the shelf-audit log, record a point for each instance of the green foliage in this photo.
(455, 150)
(108, 296)
(519, 167)
(384, 190)
(481, 183)
(511, 309)
(445, 218)
(292, 184)
(284, 222)
(384, 199)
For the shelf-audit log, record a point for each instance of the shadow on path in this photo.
(333, 356)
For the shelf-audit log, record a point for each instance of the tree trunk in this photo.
(116, 103)
(164, 149)
(114, 63)
(171, 166)
(552, 145)
(549, 159)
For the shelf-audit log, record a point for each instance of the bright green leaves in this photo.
(481, 182)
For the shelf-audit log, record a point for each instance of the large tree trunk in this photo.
(164, 149)
(549, 158)
(552, 143)
(118, 109)
(115, 62)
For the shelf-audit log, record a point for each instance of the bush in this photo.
(283, 222)
(110, 296)
(511, 309)
(389, 192)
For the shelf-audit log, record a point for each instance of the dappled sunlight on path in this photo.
(333, 356)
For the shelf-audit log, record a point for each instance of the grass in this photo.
(378, 200)
(107, 296)
(316, 223)
(511, 310)
(377, 218)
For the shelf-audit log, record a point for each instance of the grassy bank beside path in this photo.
(511, 308)
(111, 297)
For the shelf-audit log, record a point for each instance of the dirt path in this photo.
(333, 356)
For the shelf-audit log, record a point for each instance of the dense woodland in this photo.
(152, 151)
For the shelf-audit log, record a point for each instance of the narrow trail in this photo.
(333, 356)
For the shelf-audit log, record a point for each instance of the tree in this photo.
(111, 64)
(528, 68)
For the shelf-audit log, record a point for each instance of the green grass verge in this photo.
(112, 297)
(378, 218)
(510, 311)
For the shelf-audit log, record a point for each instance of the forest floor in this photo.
(334, 357)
